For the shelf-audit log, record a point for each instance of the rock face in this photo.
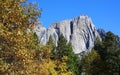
(41, 33)
(80, 31)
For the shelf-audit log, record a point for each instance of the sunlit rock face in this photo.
(41, 33)
(80, 31)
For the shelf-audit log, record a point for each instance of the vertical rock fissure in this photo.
(87, 43)
(71, 27)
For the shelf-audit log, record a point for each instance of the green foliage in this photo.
(65, 50)
(73, 61)
(111, 51)
(50, 41)
(91, 64)
(61, 48)
(105, 59)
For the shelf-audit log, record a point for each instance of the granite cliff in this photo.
(80, 31)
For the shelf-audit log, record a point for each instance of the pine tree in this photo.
(91, 64)
(73, 61)
(50, 41)
(109, 52)
(104, 60)
(64, 49)
(61, 48)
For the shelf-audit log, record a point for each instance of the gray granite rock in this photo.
(41, 33)
(80, 31)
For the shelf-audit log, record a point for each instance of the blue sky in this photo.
(104, 13)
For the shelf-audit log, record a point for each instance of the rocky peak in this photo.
(80, 31)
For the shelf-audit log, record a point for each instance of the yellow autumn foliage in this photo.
(20, 54)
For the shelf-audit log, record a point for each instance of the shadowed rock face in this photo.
(80, 31)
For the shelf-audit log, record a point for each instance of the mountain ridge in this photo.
(80, 31)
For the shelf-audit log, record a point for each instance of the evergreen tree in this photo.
(109, 53)
(91, 64)
(50, 41)
(73, 61)
(51, 44)
(105, 59)
(64, 49)
(61, 48)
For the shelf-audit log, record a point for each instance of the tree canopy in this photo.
(104, 59)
